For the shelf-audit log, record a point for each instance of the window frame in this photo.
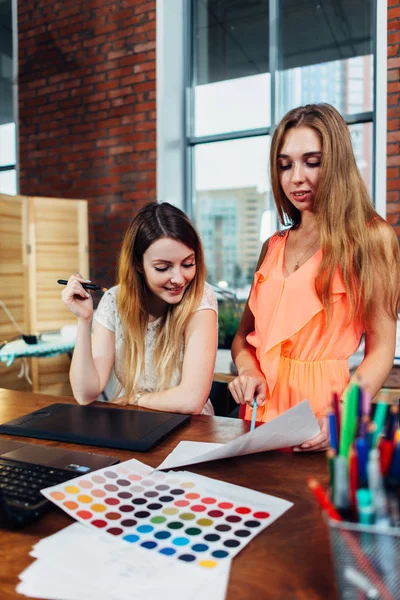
(377, 116)
(14, 166)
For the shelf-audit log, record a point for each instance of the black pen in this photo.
(86, 286)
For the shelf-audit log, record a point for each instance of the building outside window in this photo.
(251, 62)
(8, 158)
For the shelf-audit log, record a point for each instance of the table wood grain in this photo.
(290, 559)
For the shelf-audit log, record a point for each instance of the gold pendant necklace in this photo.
(297, 263)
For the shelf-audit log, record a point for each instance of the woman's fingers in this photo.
(74, 288)
(236, 391)
(319, 442)
(245, 389)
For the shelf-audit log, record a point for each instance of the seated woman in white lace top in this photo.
(157, 328)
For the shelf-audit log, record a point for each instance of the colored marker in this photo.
(349, 420)
(379, 420)
(362, 455)
(253, 416)
(330, 453)
(323, 499)
(375, 483)
(395, 466)
(333, 432)
(336, 410)
(364, 506)
(341, 497)
(353, 478)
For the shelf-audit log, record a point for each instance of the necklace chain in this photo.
(297, 263)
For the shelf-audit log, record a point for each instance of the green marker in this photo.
(349, 420)
(379, 421)
(364, 506)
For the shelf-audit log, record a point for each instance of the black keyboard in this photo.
(20, 483)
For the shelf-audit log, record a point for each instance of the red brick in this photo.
(393, 219)
(138, 78)
(394, 37)
(145, 7)
(393, 99)
(393, 184)
(393, 112)
(133, 59)
(393, 136)
(393, 124)
(392, 204)
(393, 86)
(393, 13)
(393, 50)
(393, 160)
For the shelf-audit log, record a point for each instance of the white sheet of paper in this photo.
(79, 563)
(293, 427)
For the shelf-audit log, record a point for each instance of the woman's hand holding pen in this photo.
(250, 385)
(77, 299)
(320, 442)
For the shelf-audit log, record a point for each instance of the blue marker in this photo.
(253, 416)
(362, 455)
(333, 432)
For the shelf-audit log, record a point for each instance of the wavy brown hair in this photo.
(152, 222)
(353, 236)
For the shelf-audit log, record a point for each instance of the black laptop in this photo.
(25, 469)
(109, 427)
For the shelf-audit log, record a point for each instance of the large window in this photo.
(8, 174)
(250, 62)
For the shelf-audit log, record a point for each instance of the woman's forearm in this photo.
(85, 380)
(244, 355)
(373, 371)
(181, 399)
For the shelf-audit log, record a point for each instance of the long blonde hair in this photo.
(152, 222)
(353, 236)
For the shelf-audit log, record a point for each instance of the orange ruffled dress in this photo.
(299, 357)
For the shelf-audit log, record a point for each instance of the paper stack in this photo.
(79, 563)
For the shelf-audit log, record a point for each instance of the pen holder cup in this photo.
(366, 561)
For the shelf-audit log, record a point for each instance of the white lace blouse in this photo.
(107, 315)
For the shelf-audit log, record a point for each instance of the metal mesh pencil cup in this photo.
(366, 560)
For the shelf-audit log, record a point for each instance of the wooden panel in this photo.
(13, 290)
(59, 241)
(60, 230)
(41, 240)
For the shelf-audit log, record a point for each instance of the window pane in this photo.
(7, 129)
(8, 182)
(7, 145)
(234, 210)
(230, 70)
(362, 144)
(326, 54)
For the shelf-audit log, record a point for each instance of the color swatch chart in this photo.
(196, 519)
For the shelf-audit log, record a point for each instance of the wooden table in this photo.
(291, 559)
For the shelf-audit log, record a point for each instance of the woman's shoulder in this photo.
(276, 237)
(109, 297)
(269, 244)
(209, 299)
(107, 310)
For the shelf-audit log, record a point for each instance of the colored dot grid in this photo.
(163, 512)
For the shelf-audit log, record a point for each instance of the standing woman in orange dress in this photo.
(320, 284)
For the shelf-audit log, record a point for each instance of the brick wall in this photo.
(393, 115)
(87, 111)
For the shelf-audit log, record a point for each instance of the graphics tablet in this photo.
(109, 427)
